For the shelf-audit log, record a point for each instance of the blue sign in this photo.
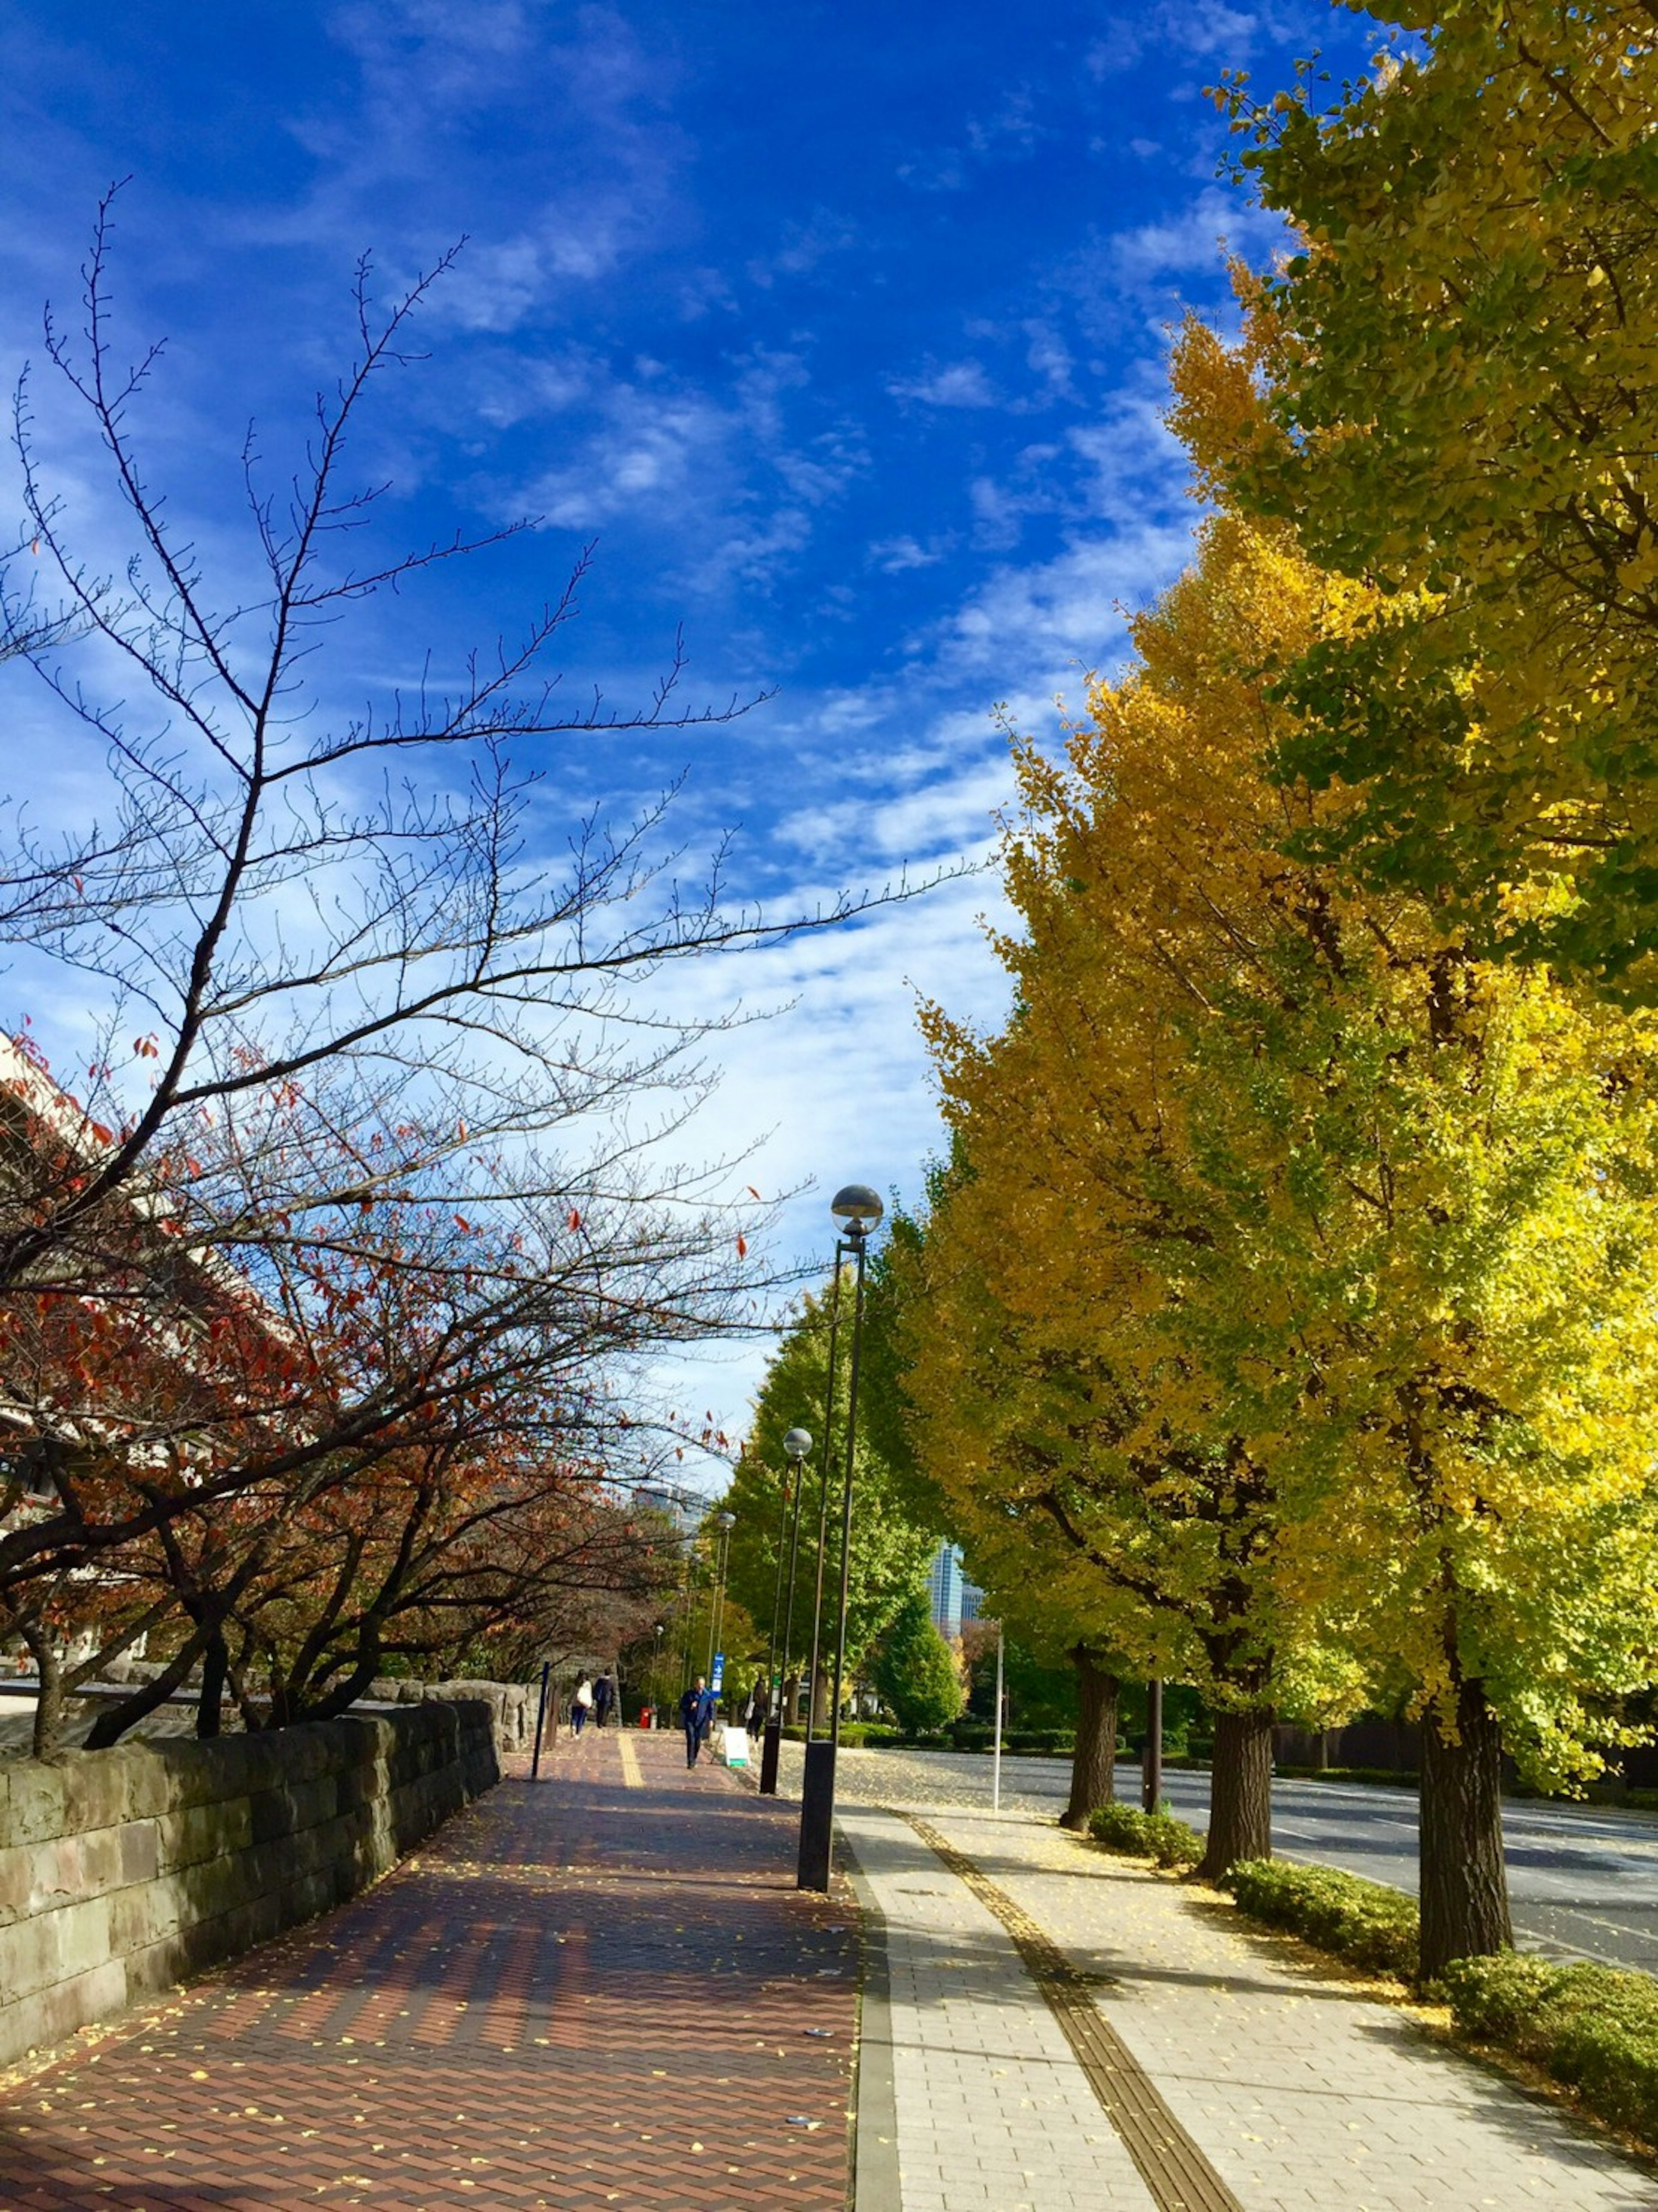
(718, 1682)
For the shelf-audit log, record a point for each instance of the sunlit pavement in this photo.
(603, 1989)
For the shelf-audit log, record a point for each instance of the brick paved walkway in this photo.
(604, 1990)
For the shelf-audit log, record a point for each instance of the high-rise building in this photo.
(953, 1598)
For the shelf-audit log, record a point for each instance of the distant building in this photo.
(952, 1597)
(682, 1507)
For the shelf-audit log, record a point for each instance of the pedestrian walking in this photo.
(604, 1698)
(580, 1705)
(755, 1712)
(696, 1718)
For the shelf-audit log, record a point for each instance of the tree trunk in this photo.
(113, 1722)
(1240, 1792)
(215, 1669)
(50, 1707)
(1464, 1888)
(1093, 1762)
(820, 1702)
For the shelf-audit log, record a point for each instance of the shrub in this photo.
(1138, 1835)
(1594, 2028)
(1045, 1742)
(1363, 1922)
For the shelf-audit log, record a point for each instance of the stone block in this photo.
(158, 1966)
(293, 1807)
(212, 1887)
(80, 1935)
(34, 1803)
(17, 1864)
(150, 1787)
(195, 1772)
(203, 1831)
(305, 1898)
(141, 1852)
(146, 1913)
(28, 1957)
(52, 2015)
(95, 1793)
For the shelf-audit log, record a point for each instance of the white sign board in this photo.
(736, 1747)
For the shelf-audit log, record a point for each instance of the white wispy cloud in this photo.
(893, 555)
(1195, 239)
(954, 384)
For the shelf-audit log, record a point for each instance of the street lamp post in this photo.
(797, 1445)
(725, 1523)
(656, 1674)
(859, 1209)
(690, 1610)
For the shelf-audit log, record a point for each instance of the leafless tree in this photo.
(280, 889)
(356, 1040)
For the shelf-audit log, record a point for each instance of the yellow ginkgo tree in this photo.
(1325, 1248)
(1459, 373)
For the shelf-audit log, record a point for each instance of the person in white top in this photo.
(580, 1705)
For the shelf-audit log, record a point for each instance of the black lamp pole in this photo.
(860, 1210)
(823, 1495)
(797, 1444)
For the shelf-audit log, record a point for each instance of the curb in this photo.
(876, 2185)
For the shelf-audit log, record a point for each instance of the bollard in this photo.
(770, 1752)
(816, 1816)
(541, 1715)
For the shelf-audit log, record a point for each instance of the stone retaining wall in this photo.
(512, 1704)
(123, 1871)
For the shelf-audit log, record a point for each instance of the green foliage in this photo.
(967, 1734)
(1040, 1685)
(1457, 382)
(889, 1548)
(1139, 1835)
(914, 1669)
(1594, 2028)
(1366, 1922)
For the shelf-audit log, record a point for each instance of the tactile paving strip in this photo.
(1170, 2164)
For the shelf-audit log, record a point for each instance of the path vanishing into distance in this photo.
(1583, 1878)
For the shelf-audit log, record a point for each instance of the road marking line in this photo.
(631, 1777)
(1170, 2163)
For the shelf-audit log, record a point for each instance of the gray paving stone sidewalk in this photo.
(1302, 2094)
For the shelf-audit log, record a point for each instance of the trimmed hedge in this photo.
(1138, 1835)
(1594, 2029)
(1363, 1922)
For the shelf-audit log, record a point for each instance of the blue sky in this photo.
(841, 328)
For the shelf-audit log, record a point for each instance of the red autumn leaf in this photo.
(742, 1248)
(572, 1221)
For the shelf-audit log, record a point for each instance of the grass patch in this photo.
(1366, 1922)
(1138, 1835)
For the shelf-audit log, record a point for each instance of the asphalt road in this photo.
(1583, 1881)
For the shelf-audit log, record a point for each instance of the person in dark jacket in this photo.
(696, 1710)
(756, 1712)
(604, 1698)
